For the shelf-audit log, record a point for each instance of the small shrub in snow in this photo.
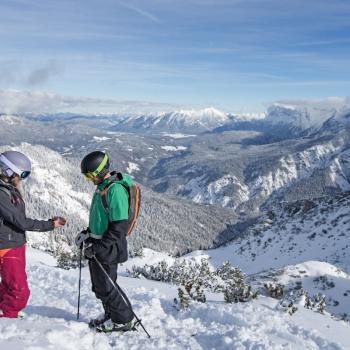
(316, 302)
(67, 257)
(179, 273)
(289, 307)
(344, 317)
(274, 291)
(195, 277)
(190, 291)
(302, 298)
(233, 284)
(238, 292)
(184, 299)
(136, 252)
(159, 272)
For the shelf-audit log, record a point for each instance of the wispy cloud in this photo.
(141, 12)
(297, 83)
(323, 42)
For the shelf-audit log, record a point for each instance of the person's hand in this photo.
(58, 221)
(81, 238)
(89, 251)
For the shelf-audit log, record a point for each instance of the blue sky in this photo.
(236, 55)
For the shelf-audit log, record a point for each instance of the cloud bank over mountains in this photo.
(316, 111)
(16, 101)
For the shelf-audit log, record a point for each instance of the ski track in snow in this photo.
(51, 321)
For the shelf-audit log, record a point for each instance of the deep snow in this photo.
(51, 318)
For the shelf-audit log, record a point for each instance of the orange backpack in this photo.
(134, 201)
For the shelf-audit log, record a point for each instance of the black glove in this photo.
(89, 251)
(81, 238)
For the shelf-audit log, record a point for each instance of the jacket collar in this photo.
(113, 178)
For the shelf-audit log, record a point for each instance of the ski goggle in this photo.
(24, 175)
(10, 173)
(89, 176)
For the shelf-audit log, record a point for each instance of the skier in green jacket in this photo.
(107, 240)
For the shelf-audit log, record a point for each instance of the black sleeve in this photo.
(115, 237)
(17, 217)
(116, 231)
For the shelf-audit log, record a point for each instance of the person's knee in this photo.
(21, 295)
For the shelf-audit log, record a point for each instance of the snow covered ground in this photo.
(51, 318)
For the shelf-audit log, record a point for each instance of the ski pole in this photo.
(120, 291)
(80, 259)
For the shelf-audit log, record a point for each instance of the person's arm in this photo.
(16, 217)
(116, 231)
(113, 245)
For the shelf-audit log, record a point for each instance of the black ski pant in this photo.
(120, 311)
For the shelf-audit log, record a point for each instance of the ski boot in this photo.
(110, 326)
(96, 322)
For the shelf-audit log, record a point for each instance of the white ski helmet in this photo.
(15, 163)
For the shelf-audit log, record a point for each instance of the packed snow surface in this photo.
(51, 322)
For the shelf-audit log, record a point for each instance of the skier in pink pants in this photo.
(14, 291)
(15, 167)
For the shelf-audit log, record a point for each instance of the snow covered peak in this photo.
(205, 113)
(191, 120)
(305, 114)
(207, 117)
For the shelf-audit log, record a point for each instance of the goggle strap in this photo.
(101, 166)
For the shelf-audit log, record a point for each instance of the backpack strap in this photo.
(103, 193)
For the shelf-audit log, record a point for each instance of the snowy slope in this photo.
(314, 277)
(51, 319)
(291, 234)
(304, 244)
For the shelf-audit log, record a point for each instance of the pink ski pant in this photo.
(14, 291)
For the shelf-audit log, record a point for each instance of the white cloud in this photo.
(15, 101)
(329, 102)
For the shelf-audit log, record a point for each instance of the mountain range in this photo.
(206, 162)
